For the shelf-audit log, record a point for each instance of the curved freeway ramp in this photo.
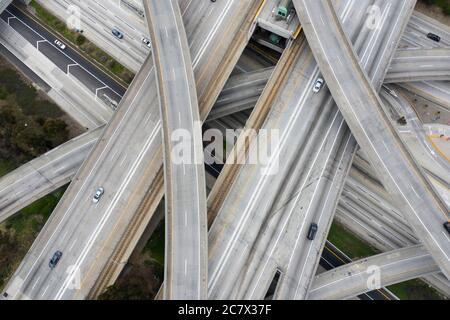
(363, 111)
(42, 175)
(186, 263)
(373, 273)
(97, 239)
(420, 65)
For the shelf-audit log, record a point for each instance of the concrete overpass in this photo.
(186, 245)
(261, 191)
(131, 141)
(400, 174)
(373, 273)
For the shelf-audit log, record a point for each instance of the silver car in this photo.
(318, 85)
(59, 44)
(146, 42)
(98, 195)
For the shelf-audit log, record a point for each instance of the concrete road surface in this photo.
(98, 18)
(67, 91)
(373, 273)
(363, 111)
(127, 163)
(186, 245)
(419, 64)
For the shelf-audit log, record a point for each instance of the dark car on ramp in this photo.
(312, 231)
(55, 259)
(434, 37)
(447, 226)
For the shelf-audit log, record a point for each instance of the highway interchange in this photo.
(186, 260)
(259, 220)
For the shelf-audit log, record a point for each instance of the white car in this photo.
(98, 195)
(318, 85)
(146, 42)
(59, 44)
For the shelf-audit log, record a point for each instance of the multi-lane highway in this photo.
(365, 208)
(127, 163)
(296, 200)
(186, 245)
(363, 112)
(262, 212)
(241, 92)
(67, 91)
(69, 60)
(98, 18)
(419, 65)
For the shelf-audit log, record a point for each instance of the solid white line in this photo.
(73, 244)
(370, 141)
(43, 293)
(67, 56)
(35, 283)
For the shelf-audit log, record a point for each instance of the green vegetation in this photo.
(415, 290)
(358, 249)
(83, 44)
(443, 4)
(18, 233)
(142, 279)
(350, 244)
(5, 167)
(155, 246)
(133, 289)
(31, 219)
(29, 125)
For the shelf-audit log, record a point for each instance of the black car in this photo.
(402, 121)
(312, 231)
(447, 226)
(55, 259)
(434, 37)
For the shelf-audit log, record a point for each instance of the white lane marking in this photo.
(73, 244)
(66, 55)
(45, 291)
(121, 123)
(358, 274)
(306, 180)
(65, 235)
(35, 283)
(123, 160)
(214, 31)
(320, 215)
(319, 41)
(71, 65)
(94, 168)
(109, 211)
(40, 169)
